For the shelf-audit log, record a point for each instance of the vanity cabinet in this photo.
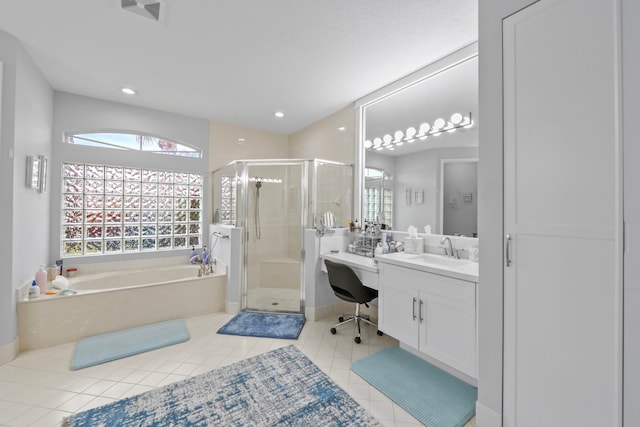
(432, 313)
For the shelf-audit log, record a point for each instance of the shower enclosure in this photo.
(273, 201)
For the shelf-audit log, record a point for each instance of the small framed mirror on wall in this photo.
(36, 175)
(33, 172)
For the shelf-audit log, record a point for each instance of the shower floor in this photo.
(273, 299)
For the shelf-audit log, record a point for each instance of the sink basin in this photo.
(437, 260)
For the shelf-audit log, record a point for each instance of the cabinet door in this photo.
(562, 351)
(448, 326)
(398, 316)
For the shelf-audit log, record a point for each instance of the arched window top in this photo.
(132, 141)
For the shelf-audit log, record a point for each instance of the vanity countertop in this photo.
(457, 268)
(352, 260)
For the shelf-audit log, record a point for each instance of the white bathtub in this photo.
(110, 300)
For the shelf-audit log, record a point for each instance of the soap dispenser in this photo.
(193, 256)
(34, 290)
(205, 255)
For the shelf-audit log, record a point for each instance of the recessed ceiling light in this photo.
(128, 91)
(279, 114)
(241, 140)
(342, 129)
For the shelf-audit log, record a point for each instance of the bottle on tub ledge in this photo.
(41, 279)
(34, 290)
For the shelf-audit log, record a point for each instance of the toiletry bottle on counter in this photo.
(41, 279)
(205, 255)
(34, 290)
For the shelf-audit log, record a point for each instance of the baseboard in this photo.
(8, 352)
(486, 417)
(231, 307)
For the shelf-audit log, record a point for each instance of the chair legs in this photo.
(357, 317)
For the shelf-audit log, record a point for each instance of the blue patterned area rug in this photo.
(267, 325)
(279, 388)
(428, 393)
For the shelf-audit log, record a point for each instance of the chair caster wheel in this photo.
(333, 331)
(379, 333)
(340, 319)
(357, 340)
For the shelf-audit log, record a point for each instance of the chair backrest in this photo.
(346, 284)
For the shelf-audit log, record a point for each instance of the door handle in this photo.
(414, 308)
(507, 250)
(420, 310)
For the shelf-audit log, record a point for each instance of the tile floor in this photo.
(38, 388)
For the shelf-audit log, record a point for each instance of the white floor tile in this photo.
(38, 388)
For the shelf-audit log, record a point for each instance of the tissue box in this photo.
(414, 245)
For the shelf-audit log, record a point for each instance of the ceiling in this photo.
(238, 61)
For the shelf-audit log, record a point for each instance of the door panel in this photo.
(562, 290)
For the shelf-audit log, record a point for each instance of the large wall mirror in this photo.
(418, 149)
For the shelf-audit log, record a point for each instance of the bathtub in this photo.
(108, 300)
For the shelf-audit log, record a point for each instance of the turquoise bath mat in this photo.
(116, 345)
(266, 325)
(428, 393)
(279, 388)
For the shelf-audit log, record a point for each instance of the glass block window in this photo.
(113, 209)
(133, 141)
(372, 205)
(228, 200)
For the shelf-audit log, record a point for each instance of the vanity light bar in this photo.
(457, 121)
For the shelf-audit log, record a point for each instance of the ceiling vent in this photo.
(148, 8)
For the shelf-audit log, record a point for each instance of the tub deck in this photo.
(66, 318)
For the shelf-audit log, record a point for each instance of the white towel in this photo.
(60, 282)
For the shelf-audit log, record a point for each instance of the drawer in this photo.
(391, 275)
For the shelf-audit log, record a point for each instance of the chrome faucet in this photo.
(448, 251)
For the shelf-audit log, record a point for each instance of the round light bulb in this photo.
(387, 139)
(398, 136)
(439, 124)
(377, 142)
(368, 144)
(456, 118)
(424, 129)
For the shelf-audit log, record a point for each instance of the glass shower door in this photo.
(274, 223)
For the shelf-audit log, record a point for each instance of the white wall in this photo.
(332, 138)
(81, 113)
(27, 110)
(257, 144)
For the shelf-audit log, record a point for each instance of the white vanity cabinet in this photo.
(432, 313)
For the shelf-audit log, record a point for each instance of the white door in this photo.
(398, 308)
(562, 285)
(448, 324)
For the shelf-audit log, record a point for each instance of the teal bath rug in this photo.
(267, 325)
(428, 393)
(116, 345)
(279, 388)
